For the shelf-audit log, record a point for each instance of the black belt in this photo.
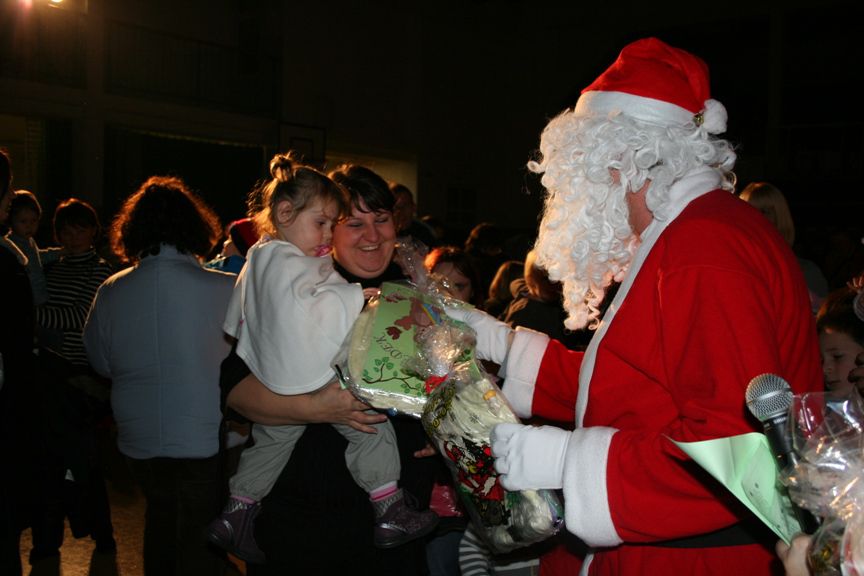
(740, 534)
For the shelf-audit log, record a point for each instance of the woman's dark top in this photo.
(316, 520)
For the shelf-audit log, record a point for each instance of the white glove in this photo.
(493, 336)
(530, 457)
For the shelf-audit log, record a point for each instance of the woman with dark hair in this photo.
(316, 520)
(155, 329)
(163, 212)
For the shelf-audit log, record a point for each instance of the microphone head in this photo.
(768, 396)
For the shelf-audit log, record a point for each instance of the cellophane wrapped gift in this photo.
(827, 429)
(464, 405)
(405, 355)
(372, 364)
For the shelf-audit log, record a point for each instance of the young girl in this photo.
(24, 215)
(841, 337)
(290, 313)
(455, 266)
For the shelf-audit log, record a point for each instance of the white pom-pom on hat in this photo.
(713, 117)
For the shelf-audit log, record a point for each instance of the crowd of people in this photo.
(652, 295)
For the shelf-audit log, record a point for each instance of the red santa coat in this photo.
(718, 299)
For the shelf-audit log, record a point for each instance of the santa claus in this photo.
(640, 191)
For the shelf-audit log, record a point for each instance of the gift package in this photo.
(827, 431)
(405, 355)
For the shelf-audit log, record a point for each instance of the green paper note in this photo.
(746, 466)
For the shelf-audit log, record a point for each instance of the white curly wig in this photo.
(585, 240)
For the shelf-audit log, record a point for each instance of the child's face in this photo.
(459, 283)
(76, 239)
(312, 229)
(24, 223)
(838, 352)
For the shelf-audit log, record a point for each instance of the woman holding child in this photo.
(316, 520)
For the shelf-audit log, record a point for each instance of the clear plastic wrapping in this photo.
(459, 416)
(372, 362)
(826, 429)
(406, 355)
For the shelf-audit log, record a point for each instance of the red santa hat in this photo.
(658, 84)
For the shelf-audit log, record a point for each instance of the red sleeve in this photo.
(557, 384)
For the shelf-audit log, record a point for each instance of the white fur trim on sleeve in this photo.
(586, 502)
(521, 368)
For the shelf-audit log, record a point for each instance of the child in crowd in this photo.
(24, 215)
(455, 266)
(291, 312)
(500, 295)
(242, 235)
(841, 337)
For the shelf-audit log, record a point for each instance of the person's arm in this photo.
(330, 404)
(71, 316)
(49, 255)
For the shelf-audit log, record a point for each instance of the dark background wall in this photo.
(99, 95)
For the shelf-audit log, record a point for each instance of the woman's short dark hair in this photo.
(75, 212)
(164, 211)
(364, 185)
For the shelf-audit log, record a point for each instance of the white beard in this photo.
(586, 243)
(585, 239)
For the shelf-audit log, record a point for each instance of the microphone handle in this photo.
(781, 445)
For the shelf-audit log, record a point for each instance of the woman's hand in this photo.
(369, 293)
(335, 405)
(794, 556)
(330, 405)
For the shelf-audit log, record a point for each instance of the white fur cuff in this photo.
(586, 502)
(522, 366)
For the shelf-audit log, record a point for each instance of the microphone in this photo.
(769, 398)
